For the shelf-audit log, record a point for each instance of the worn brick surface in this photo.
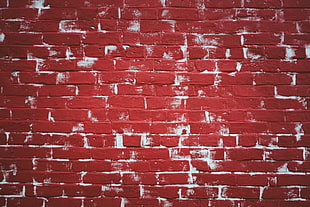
(154, 103)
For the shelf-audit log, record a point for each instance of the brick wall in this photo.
(154, 103)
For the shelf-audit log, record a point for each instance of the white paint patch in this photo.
(289, 53)
(145, 140)
(167, 56)
(180, 79)
(13, 169)
(61, 78)
(78, 128)
(52, 52)
(207, 117)
(307, 48)
(239, 66)
(28, 138)
(227, 53)
(200, 4)
(299, 131)
(91, 117)
(39, 4)
(115, 88)
(119, 12)
(163, 3)
(252, 55)
(176, 103)
(208, 158)
(2, 37)
(108, 49)
(184, 49)
(31, 101)
(165, 203)
(283, 168)
(223, 130)
(217, 80)
(303, 101)
(123, 116)
(68, 53)
(133, 155)
(119, 141)
(136, 13)
(165, 13)
(180, 129)
(134, 26)
(69, 26)
(125, 47)
(87, 62)
(102, 13)
(149, 50)
(201, 40)
(50, 117)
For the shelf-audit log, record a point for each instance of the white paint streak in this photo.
(239, 66)
(307, 48)
(227, 53)
(2, 37)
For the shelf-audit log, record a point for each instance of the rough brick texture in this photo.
(154, 103)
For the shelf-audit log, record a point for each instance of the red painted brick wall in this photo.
(154, 103)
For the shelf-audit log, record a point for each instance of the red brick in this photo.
(200, 192)
(129, 191)
(141, 3)
(179, 14)
(285, 154)
(165, 191)
(63, 202)
(155, 26)
(113, 202)
(155, 78)
(284, 193)
(102, 38)
(244, 154)
(19, 13)
(131, 141)
(26, 201)
(240, 192)
(261, 39)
